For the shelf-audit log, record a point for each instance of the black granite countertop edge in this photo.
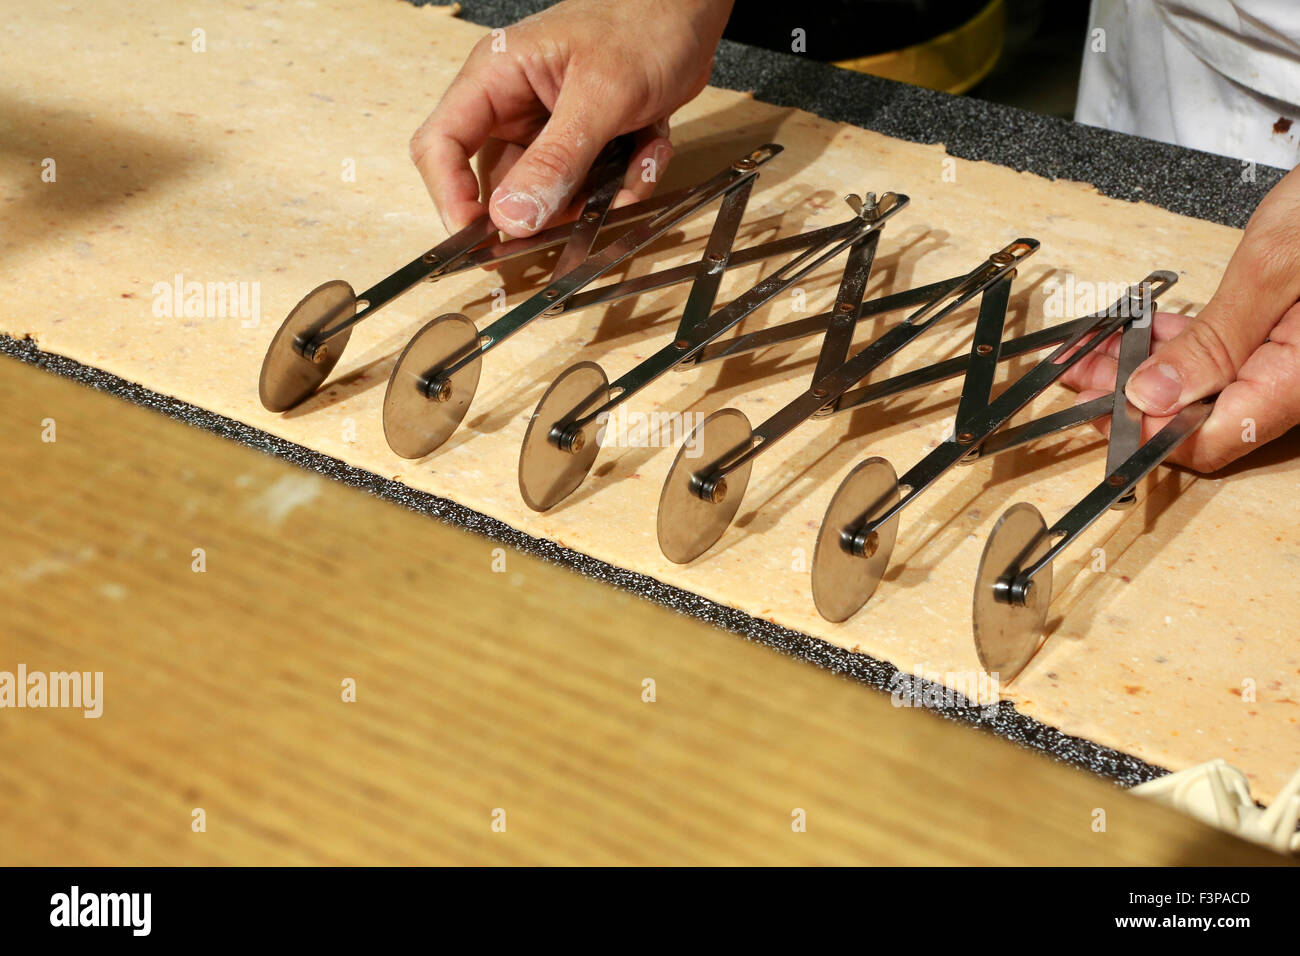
(1203, 185)
(1001, 719)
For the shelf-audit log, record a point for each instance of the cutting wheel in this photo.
(288, 378)
(415, 423)
(547, 473)
(1006, 635)
(843, 581)
(689, 525)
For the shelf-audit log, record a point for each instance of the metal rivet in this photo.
(984, 349)
(719, 492)
(866, 547)
(1023, 595)
(871, 545)
(965, 438)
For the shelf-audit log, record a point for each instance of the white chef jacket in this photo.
(1216, 75)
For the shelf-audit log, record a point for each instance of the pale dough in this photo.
(228, 165)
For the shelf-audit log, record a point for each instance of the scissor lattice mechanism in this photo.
(435, 378)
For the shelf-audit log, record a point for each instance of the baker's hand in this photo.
(540, 99)
(1244, 345)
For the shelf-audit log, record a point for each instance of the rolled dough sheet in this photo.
(229, 165)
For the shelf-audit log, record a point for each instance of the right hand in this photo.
(556, 88)
(1244, 347)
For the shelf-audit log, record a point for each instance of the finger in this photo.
(1102, 424)
(1168, 326)
(1261, 282)
(1165, 326)
(1150, 423)
(649, 160)
(1098, 369)
(441, 149)
(494, 161)
(1261, 405)
(1093, 367)
(544, 180)
(1110, 345)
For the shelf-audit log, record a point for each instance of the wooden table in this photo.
(489, 688)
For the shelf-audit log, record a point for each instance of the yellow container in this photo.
(952, 62)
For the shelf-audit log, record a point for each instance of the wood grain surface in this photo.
(486, 681)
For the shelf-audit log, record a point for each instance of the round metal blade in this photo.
(547, 473)
(687, 524)
(1006, 635)
(287, 378)
(415, 423)
(843, 581)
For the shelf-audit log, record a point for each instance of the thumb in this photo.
(544, 180)
(1261, 282)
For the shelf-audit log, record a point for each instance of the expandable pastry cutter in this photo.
(436, 375)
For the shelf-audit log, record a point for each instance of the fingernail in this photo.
(518, 209)
(1155, 389)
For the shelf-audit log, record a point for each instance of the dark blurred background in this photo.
(1024, 53)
